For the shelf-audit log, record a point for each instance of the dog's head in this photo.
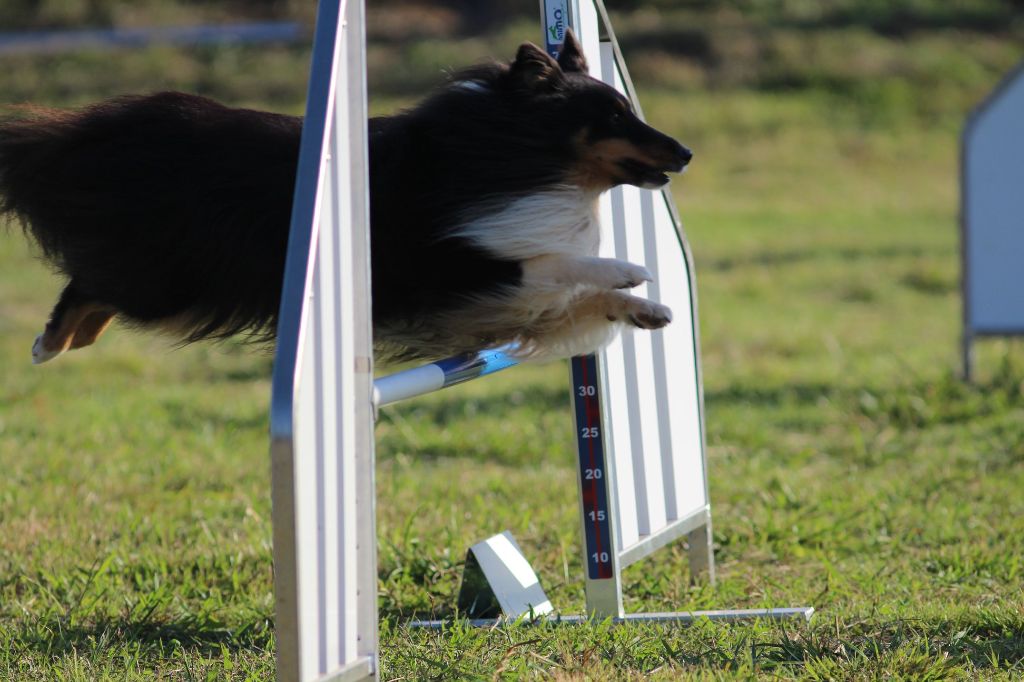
(610, 144)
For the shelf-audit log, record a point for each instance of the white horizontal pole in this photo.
(408, 384)
(441, 374)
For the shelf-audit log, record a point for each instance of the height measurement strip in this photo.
(586, 390)
(593, 471)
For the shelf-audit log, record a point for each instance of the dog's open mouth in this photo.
(645, 175)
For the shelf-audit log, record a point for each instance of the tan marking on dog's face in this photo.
(598, 162)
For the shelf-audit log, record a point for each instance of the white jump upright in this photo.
(992, 216)
(638, 403)
(325, 546)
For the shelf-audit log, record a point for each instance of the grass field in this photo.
(850, 469)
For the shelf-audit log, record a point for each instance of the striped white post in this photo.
(638, 403)
(321, 421)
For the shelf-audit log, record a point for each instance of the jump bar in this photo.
(682, 617)
(441, 374)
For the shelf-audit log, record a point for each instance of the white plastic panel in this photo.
(993, 179)
(321, 416)
(675, 372)
(645, 419)
(588, 30)
(653, 399)
(617, 402)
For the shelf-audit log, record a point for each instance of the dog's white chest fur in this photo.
(557, 221)
(566, 300)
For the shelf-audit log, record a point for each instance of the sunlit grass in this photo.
(850, 469)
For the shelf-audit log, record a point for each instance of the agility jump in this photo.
(637, 404)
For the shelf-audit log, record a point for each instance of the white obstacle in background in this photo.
(992, 216)
(648, 384)
(325, 545)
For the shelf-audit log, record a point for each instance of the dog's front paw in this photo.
(624, 275)
(648, 314)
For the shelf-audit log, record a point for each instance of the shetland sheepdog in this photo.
(172, 211)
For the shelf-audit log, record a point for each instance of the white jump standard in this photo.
(637, 405)
(321, 417)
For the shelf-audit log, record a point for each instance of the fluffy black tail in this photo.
(167, 207)
(29, 145)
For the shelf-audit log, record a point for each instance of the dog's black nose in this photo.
(685, 154)
(682, 157)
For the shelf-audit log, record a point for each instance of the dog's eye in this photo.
(616, 118)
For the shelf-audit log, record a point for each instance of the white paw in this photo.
(623, 275)
(40, 354)
(648, 314)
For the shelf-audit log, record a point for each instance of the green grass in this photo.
(850, 469)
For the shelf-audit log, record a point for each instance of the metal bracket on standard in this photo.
(500, 586)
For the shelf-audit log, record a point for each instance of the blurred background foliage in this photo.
(893, 62)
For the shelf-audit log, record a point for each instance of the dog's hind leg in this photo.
(91, 326)
(76, 321)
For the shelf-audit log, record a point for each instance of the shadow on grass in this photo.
(148, 605)
(923, 402)
(55, 637)
(781, 258)
(772, 396)
(988, 640)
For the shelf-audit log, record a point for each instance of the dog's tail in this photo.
(30, 142)
(169, 207)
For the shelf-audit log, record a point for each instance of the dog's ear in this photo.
(534, 68)
(571, 58)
